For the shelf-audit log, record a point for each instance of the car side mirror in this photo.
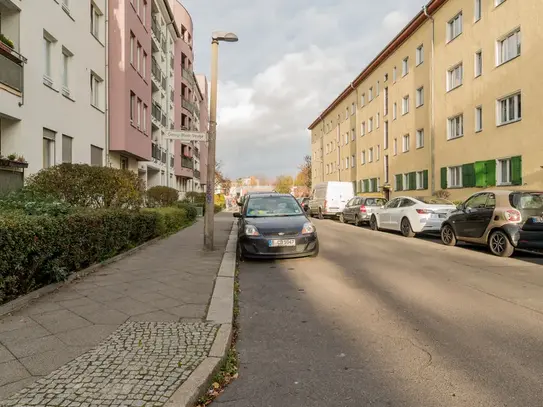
(240, 203)
(237, 215)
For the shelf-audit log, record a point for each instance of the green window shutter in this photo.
(354, 187)
(490, 170)
(412, 181)
(444, 178)
(468, 175)
(425, 179)
(516, 170)
(480, 174)
(399, 186)
(366, 185)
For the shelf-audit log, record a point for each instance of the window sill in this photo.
(420, 147)
(477, 76)
(421, 105)
(456, 87)
(67, 96)
(454, 138)
(419, 64)
(48, 83)
(404, 152)
(478, 131)
(67, 11)
(98, 39)
(97, 108)
(509, 60)
(508, 123)
(453, 38)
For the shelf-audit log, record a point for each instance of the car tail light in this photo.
(325, 204)
(512, 215)
(363, 209)
(424, 211)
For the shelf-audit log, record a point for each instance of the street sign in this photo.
(187, 136)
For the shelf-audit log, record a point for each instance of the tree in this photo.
(283, 184)
(221, 181)
(303, 179)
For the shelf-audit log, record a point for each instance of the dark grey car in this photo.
(359, 209)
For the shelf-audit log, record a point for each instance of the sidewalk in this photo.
(149, 306)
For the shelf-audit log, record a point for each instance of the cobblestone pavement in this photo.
(169, 281)
(141, 364)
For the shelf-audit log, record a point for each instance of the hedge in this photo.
(41, 249)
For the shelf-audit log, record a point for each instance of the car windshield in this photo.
(432, 200)
(272, 206)
(375, 202)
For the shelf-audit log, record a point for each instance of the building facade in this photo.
(449, 104)
(102, 83)
(52, 74)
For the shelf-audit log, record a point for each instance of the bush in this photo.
(161, 196)
(443, 194)
(25, 202)
(192, 213)
(196, 197)
(87, 186)
(40, 250)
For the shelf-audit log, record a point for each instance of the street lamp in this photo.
(210, 189)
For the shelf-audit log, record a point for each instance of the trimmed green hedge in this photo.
(41, 249)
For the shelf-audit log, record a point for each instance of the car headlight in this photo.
(250, 230)
(308, 229)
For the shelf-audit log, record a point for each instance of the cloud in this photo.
(286, 68)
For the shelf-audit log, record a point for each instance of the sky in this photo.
(292, 60)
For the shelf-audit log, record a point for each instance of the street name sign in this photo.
(187, 136)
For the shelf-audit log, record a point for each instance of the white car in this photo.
(411, 215)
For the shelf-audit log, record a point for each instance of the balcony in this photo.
(172, 162)
(188, 75)
(11, 68)
(156, 112)
(197, 153)
(155, 152)
(187, 105)
(163, 120)
(187, 162)
(157, 74)
(197, 174)
(157, 34)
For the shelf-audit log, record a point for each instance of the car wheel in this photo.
(357, 221)
(320, 214)
(373, 223)
(448, 237)
(500, 245)
(406, 228)
(341, 218)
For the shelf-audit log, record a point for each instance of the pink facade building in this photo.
(152, 91)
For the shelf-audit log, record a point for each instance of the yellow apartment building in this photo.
(450, 104)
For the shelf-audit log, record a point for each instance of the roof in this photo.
(392, 46)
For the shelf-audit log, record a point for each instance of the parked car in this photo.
(275, 226)
(359, 209)
(304, 203)
(242, 199)
(504, 220)
(329, 198)
(411, 215)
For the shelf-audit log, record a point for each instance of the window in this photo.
(132, 45)
(346, 138)
(394, 111)
(509, 109)
(353, 135)
(478, 118)
(454, 27)
(377, 120)
(138, 113)
(363, 100)
(377, 89)
(454, 77)
(363, 157)
(508, 47)
(138, 57)
(370, 155)
(66, 55)
(353, 109)
(478, 10)
(385, 138)
(47, 45)
(405, 66)
(406, 183)
(405, 143)
(48, 148)
(95, 21)
(124, 163)
(144, 119)
(346, 162)
(370, 94)
(385, 78)
(144, 65)
(95, 85)
(132, 106)
(456, 127)
(370, 124)
(420, 96)
(378, 152)
(420, 180)
(144, 12)
(395, 146)
(394, 74)
(386, 168)
(353, 161)
(504, 171)
(405, 105)
(96, 156)
(346, 113)
(385, 101)
(363, 129)
(455, 177)
(420, 138)
(478, 63)
(66, 149)
(420, 55)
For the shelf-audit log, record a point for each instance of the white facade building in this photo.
(52, 108)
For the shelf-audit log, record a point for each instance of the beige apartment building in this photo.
(452, 103)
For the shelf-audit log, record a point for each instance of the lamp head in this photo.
(224, 36)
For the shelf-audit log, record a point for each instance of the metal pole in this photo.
(210, 189)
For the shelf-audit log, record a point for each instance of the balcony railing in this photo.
(187, 105)
(11, 68)
(156, 111)
(164, 156)
(172, 95)
(187, 162)
(163, 82)
(157, 72)
(163, 120)
(155, 151)
(197, 153)
(197, 174)
(188, 75)
(156, 29)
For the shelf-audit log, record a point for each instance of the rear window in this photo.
(375, 202)
(432, 200)
(527, 201)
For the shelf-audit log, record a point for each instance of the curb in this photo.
(220, 312)
(25, 300)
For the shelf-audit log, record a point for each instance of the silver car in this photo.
(359, 209)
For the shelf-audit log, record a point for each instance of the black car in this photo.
(275, 226)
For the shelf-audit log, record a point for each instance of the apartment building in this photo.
(52, 73)
(449, 104)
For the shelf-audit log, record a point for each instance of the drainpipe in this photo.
(322, 147)
(432, 103)
(106, 86)
(355, 137)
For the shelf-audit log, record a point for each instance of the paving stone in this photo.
(61, 321)
(22, 348)
(189, 311)
(11, 372)
(41, 364)
(5, 354)
(139, 363)
(87, 336)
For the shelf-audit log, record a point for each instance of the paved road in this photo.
(381, 320)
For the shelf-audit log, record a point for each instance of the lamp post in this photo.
(210, 188)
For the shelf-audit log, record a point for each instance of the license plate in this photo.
(282, 243)
(537, 219)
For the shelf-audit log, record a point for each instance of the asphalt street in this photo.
(382, 320)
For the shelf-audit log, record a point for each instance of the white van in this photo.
(328, 199)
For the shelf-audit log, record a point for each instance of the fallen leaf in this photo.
(216, 385)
